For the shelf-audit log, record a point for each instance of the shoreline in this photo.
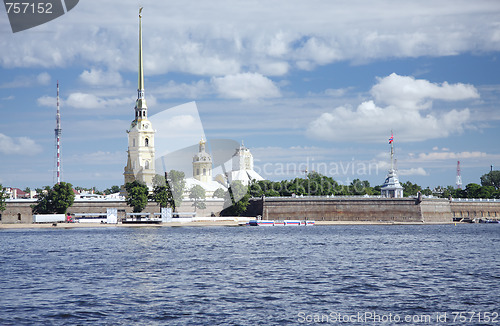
(191, 224)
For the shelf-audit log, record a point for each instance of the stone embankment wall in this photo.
(355, 209)
(484, 209)
(19, 211)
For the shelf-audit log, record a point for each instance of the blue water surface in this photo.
(429, 274)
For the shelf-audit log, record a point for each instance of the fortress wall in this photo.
(436, 211)
(356, 209)
(475, 209)
(19, 211)
(342, 209)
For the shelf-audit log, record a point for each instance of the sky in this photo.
(306, 85)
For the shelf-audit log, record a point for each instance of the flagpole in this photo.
(392, 151)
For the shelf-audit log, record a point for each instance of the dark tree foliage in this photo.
(491, 179)
(112, 190)
(163, 197)
(137, 195)
(3, 196)
(237, 200)
(55, 200)
(410, 189)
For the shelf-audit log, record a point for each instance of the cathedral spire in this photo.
(140, 107)
(140, 87)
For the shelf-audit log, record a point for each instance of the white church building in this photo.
(242, 167)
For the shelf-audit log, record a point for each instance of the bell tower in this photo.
(141, 146)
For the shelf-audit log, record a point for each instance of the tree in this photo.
(237, 200)
(159, 180)
(410, 189)
(162, 196)
(427, 191)
(3, 196)
(55, 200)
(472, 190)
(491, 179)
(62, 197)
(137, 195)
(177, 184)
(112, 190)
(198, 194)
(219, 193)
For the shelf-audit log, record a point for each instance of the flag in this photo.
(391, 139)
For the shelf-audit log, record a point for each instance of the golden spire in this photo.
(140, 87)
(141, 109)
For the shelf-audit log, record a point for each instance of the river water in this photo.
(352, 275)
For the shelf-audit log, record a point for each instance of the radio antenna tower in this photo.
(459, 177)
(58, 139)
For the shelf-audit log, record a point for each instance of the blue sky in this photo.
(306, 84)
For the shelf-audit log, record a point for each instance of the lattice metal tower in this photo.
(58, 139)
(459, 177)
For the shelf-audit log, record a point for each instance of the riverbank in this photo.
(189, 224)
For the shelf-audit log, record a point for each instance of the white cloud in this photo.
(274, 68)
(220, 39)
(439, 156)
(318, 51)
(49, 101)
(98, 77)
(372, 123)
(406, 92)
(245, 86)
(413, 171)
(84, 101)
(43, 78)
(28, 81)
(183, 90)
(81, 100)
(18, 146)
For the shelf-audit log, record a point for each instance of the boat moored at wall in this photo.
(280, 223)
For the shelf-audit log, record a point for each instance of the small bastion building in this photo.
(391, 187)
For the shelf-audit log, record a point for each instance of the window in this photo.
(197, 171)
(204, 171)
(18, 216)
(0, 216)
(146, 164)
(146, 142)
(133, 142)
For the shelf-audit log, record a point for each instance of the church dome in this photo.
(202, 155)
